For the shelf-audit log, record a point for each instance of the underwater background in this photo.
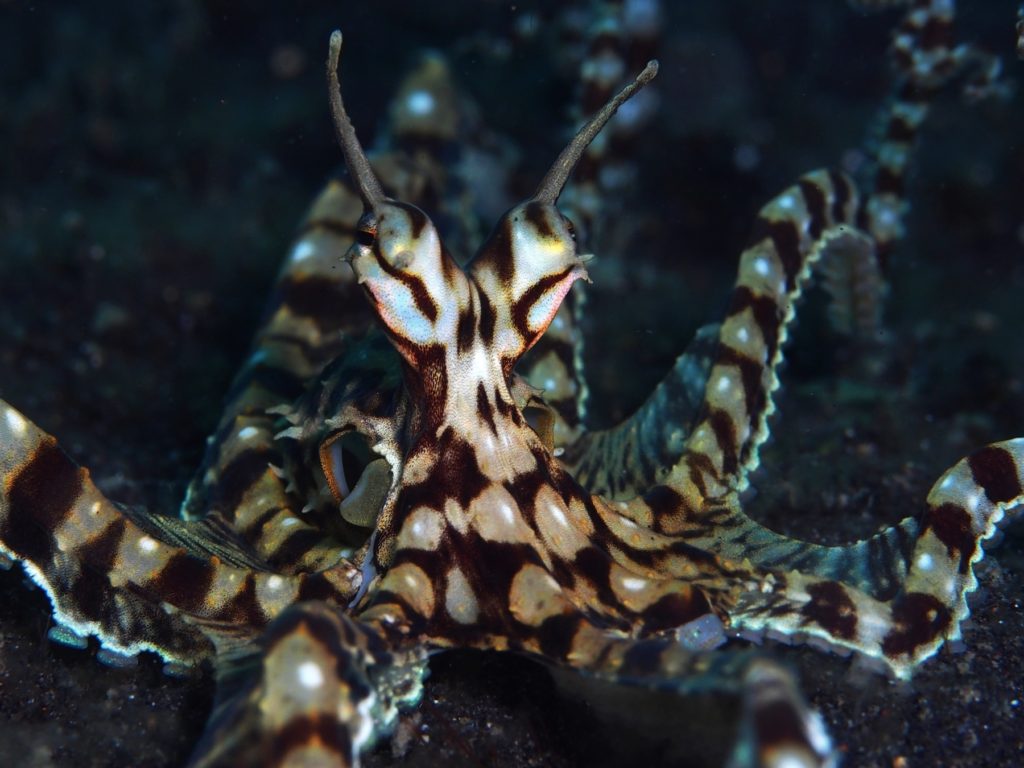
(157, 157)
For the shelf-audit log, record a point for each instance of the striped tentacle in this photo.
(879, 564)
(790, 235)
(68, 538)
(316, 306)
(313, 306)
(107, 576)
(918, 60)
(317, 689)
(625, 460)
(619, 39)
(697, 500)
(674, 653)
(963, 510)
(555, 363)
(620, 462)
(776, 727)
(926, 59)
(432, 150)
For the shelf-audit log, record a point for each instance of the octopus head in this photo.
(460, 332)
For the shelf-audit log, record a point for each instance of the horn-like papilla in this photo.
(358, 166)
(551, 187)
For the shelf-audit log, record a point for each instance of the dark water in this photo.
(156, 159)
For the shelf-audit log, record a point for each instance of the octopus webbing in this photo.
(479, 537)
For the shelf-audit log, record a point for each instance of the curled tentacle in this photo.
(624, 460)
(621, 461)
(926, 59)
(616, 41)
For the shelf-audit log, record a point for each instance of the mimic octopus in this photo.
(420, 494)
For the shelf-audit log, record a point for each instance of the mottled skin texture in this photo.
(482, 539)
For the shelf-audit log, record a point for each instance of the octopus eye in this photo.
(366, 230)
(571, 227)
(357, 478)
(366, 237)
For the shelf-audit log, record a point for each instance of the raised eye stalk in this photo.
(551, 187)
(366, 180)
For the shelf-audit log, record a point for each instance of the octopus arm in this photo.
(928, 602)
(133, 587)
(620, 461)
(312, 311)
(317, 688)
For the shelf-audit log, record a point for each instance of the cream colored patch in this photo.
(496, 517)
(742, 333)
(509, 454)
(535, 596)
(957, 483)
(703, 440)
(303, 250)
(310, 674)
(227, 584)
(626, 515)
(760, 269)
(79, 527)
(275, 593)
(621, 517)
(17, 423)
(727, 392)
(274, 531)
(316, 755)
(139, 558)
(634, 591)
(550, 374)
(295, 669)
(413, 585)
(418, 467)
(562, 528)
(459, 598)
(422, 530)
(787, 206)
(455, 516)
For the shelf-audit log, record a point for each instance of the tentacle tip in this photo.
(334, 56)
(649, 73)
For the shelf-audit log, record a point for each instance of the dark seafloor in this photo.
(156, 157)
